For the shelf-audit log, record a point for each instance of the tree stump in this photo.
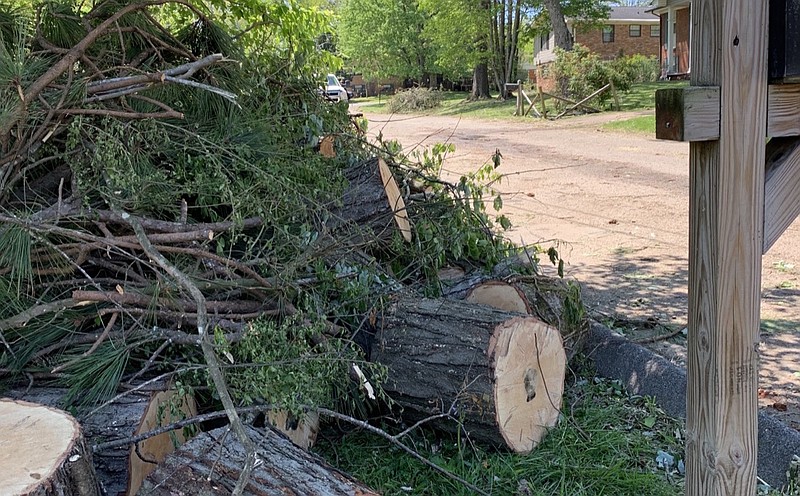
(43, 453)
(501, 373)
(210, 464)
(372, 202)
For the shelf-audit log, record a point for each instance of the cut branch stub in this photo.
(500, 373)
(42, 452)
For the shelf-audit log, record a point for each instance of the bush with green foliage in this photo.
(580, 72)
(414, 99)
(637, 68)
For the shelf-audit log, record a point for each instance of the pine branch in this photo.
(214, 367)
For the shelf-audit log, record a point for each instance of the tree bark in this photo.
(121, 470)
(372, 206)
(45, 453)
(500, 373)
(563, 39)
(211, 463)
(550, 299)
(480, 82)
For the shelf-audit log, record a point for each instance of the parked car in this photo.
(334, 90)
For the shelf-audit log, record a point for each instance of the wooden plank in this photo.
(783, 112)
(725, 242)
(688, 114)
(692, 114)
(782, 182)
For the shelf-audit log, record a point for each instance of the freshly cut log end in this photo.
(499, 294)
(396, 202)
(164, 408)
(42, 452)
(501, 372)
(529, 368)
(302, 432)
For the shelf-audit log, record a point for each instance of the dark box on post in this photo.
(784, 41)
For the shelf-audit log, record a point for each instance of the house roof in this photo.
(638, 14)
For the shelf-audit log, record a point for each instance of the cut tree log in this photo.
(164, 408)
(500, 295)
(210, 464)
(551, 299)
(302, 432)
(501, 373)
(43, 452)
(373, 203)
(121, 470)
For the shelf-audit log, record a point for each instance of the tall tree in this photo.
(504, 31)
(384, 37)
(563, 38)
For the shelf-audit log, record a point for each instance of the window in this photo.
(635, 30)
(655, 31)
(545, 41)
(608, 34)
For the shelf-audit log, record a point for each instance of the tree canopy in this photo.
(409, 38)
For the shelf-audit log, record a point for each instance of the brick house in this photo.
(627, 31)
(675, 19)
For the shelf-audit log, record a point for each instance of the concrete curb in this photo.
(646, 373)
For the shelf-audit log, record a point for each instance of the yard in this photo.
(615, 203)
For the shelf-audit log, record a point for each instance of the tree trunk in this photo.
(480, 82)
(44, 452)
(121, 470)
(550, 299)
(372, 206)
(210, 464)
(563, 39)
(500, 373)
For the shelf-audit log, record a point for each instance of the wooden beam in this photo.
(692, 113)
(783, 113)
(782, 182)
(729, 50)
(688, 114)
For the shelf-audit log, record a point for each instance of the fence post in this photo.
(729, 51)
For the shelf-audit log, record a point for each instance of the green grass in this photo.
(640, 97)
(453, 103)
(605, 443)
(645, 124)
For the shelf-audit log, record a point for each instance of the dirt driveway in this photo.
(617, 205)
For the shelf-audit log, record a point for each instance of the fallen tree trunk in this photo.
(372, 203)
(121, 470)
(210, 464)
(552, 300)
(44, 452)
(500, 373)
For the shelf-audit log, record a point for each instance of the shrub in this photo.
(638, 68)
(414, 99)
(581, 72)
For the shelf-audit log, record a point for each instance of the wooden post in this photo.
(518, 112)
(541, 99)
(729, 50)
(614, 94)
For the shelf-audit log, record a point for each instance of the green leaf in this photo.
(498, 202)
(649, 422)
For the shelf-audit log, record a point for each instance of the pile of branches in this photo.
(161, 187)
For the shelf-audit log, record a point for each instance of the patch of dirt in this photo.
(617, 205)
